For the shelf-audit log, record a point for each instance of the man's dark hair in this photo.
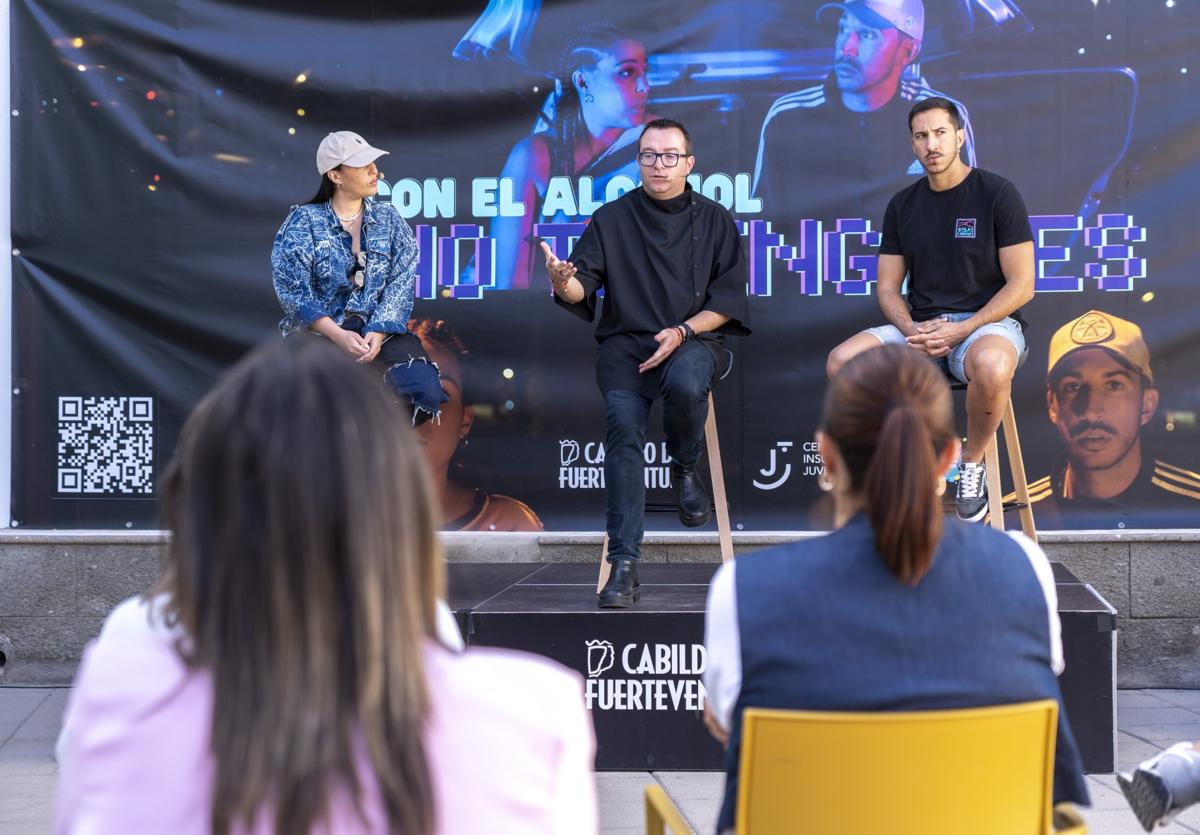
(936, 103)
(667, 124)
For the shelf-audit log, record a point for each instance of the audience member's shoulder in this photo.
(812, 552)
(136, 653)
(497, 673)
(980, 541)
(139, 621)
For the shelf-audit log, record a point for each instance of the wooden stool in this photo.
(717, 476)
(1016, 468)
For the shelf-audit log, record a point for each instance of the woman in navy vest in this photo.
(885, 613)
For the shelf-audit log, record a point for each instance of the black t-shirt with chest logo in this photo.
(951, 239)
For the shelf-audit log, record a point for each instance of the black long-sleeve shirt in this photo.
(659, 263)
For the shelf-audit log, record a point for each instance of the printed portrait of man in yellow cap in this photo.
(1100, 392)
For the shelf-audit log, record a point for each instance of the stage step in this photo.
(642, 665)
(57, 586)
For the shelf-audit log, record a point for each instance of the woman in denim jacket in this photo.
(345, 267)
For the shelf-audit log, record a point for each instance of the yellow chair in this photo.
(975, 770)
(662, 818)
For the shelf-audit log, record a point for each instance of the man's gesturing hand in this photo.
(668, 340)
(560, 271)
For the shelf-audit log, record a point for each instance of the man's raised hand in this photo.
(560, 272)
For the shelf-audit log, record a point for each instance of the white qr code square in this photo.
(106, 445)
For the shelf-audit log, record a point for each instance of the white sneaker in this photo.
(971, 504)
(1163, 785)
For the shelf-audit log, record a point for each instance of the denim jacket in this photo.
(311, 260)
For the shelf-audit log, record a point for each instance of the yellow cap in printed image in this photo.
(1095, 329)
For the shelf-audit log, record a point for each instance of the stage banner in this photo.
(158, 145)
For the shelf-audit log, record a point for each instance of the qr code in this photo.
(106, 445)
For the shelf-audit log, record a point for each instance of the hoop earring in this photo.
(825, 482)
(589, 98)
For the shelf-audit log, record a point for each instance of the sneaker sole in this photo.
(1147, 796)
(618, 601)
(976, 516)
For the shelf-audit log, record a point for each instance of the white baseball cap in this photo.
(907, 16)
(345, 147)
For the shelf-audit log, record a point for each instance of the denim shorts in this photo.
(954, 362)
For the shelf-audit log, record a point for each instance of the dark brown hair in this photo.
(668, 124)
(936, 103)
(327, 188)
(304, 570)
(583, 49)
(440, 331)
(890, 414)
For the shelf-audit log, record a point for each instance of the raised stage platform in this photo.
(642, 665)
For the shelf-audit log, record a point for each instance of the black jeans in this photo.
(687, 378)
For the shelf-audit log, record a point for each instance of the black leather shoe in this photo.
(691, 497)
(622, 589)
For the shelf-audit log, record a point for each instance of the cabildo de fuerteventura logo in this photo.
(581, 465)
(660, 676)
(600, 657)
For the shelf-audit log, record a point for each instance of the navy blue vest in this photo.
(825, 626)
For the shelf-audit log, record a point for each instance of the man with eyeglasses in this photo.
(674, 278)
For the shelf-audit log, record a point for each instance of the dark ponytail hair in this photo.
(325, 192)
(581, 50)
(889, 412)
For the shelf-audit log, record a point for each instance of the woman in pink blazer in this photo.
(286, 674)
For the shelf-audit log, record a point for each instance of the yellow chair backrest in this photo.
(975, 770)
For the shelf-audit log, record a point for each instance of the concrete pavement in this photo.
(1148, 721)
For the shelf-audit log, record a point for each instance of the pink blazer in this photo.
(509, 742)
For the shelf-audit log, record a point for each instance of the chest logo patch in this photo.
(964, 227)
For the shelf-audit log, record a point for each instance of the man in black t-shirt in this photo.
(961, 235)
(674, 278)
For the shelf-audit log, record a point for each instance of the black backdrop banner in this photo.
(157, 147)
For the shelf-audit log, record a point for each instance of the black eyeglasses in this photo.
(669, 158)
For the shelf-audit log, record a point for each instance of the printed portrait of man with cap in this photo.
(1100, 392)
(833, 148)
